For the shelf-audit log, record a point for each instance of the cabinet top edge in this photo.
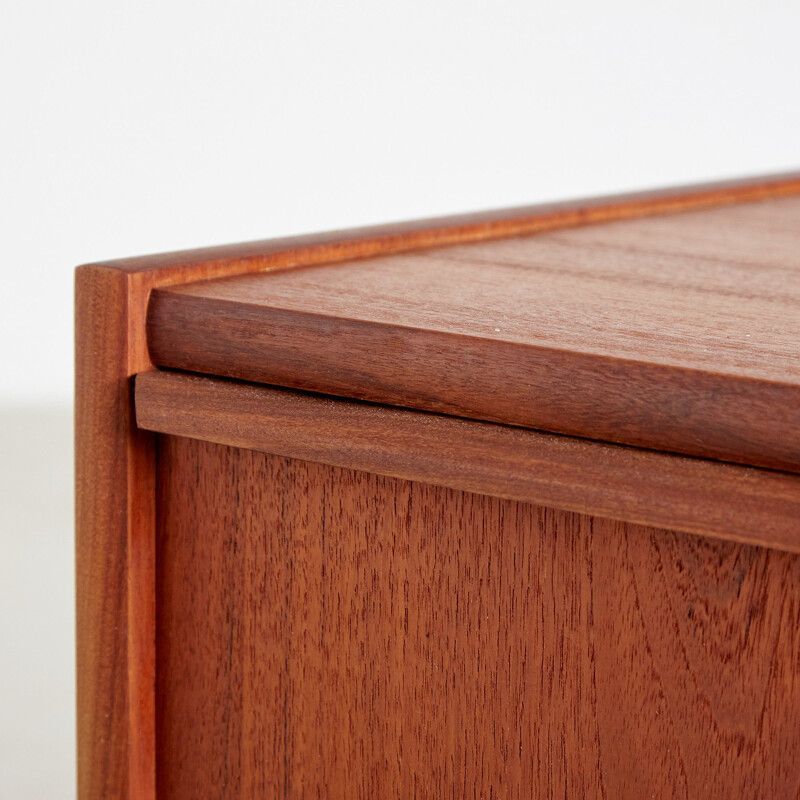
(337, 245)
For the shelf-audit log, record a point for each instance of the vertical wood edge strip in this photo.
(115, 539)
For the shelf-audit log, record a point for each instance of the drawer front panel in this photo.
(333, 633)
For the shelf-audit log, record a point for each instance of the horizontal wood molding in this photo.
(663, 490)
(373, 240)
(678, 333)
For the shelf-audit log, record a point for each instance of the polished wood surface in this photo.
(115, 550)
(689, 494)
(368, 241)
(116, 465)
(326, 632)
(677, 333)
(165, 269)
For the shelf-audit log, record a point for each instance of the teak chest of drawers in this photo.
(499, 506)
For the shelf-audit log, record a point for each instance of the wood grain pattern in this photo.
(115, 552)
(165, 269)
(115, 463)
(677, 333)
(688, 494)
(330, 633)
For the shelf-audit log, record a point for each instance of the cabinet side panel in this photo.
(327, 632)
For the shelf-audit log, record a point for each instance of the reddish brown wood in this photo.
(418, 234)
(166, 269)
(115, 463)
(688, 494)
(677, 333)
(115, 579)
(324, 632)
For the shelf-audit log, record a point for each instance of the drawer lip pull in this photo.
(700, 496)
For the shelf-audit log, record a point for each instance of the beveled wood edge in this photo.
(368, 241)
(693, 495)
(621, 400)
(189, 266)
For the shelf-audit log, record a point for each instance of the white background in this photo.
(128, 128)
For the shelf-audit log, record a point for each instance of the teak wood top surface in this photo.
(678, 332)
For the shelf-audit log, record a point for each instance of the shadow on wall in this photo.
(37, 616)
